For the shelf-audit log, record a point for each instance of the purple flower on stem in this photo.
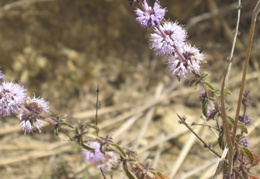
(109, 160)
(30, 115)
(12, 95)
(148, 16)
(186, 59)
(104, 161)
(168, 38)
(246, 119)
(245, 100)
(245, 142)
(93, 156)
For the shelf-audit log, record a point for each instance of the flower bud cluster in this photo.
(169, 38)
(245, 118)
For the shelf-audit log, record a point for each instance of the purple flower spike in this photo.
(30, 116)
(245, 142)
(167, 38)
(12, 95)
(187, 60)
(148, 16)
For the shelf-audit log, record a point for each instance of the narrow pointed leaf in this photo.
(67, 125)
(129, 174)
(119, 149)
(93, 126)
(208, 85)
(248, 154)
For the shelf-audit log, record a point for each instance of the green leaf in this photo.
(231, 120)
(248, 154)
(93, 126)
(242, 127)
(86, 146)
(67, 125)
(221, 142)
(205, 108)
(192, 83)
(227, 92)
(129, 174)
(204, 75)
(208, 85)
(212, 99)
(120, 150)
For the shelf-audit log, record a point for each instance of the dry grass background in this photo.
(62, 49)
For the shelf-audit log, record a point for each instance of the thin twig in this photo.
(182, 121)
(222, 97)
(183, 154)
(246, 62)
(97, 107)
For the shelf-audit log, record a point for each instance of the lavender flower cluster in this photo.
(14, 101)
(169, 38)
(105, 161)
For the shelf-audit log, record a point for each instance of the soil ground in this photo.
(62, 49)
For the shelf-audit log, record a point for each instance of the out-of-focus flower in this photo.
(245, 142)
(12, 95)
(31, 114)
(150, 16)
(246, 119)
(93, 156)
(1, 75)
(185, 61)
(167, 38)
(109, 160)
(104, 161)
(245, 100)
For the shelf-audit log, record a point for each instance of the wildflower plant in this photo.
(184, 60)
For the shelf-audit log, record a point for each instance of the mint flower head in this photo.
(12, 95)
(187, 60)
(31, 114)
(104, 161)
(93, 156)
(167, 38)
(150, 16)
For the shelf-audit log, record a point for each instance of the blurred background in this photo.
(62, 49)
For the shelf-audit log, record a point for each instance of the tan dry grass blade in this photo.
(184, 153)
